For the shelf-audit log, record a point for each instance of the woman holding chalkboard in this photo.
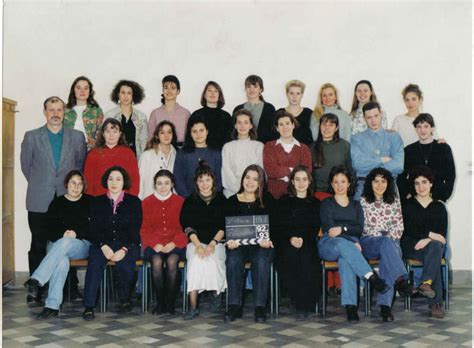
(202, 219)
(300, 263)
(251, 199)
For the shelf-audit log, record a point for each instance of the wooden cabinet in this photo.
(8, 232)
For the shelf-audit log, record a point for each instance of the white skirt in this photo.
(208, 273)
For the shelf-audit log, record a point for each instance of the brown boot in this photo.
(437, 311)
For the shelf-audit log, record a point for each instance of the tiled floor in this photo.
(414, 329)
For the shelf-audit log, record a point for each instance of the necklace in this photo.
(425, 158)
(202, 154)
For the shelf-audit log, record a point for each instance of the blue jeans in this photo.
(351, 264)
(261, 260)
(55, 267)
(391, 266)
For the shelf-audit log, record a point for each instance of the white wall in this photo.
(48, 44)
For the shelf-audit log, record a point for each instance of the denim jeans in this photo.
(391, 266)
(431, 256)
(55, 267)
(261, 260)
(351, 264)
(95, 270)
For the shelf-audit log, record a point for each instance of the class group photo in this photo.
(237, 174)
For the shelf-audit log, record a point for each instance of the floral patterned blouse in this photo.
(92, 117)
(381, 218)
(358, 121)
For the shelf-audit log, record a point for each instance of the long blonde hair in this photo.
(319, 108)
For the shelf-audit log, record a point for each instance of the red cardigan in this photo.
(277, 163)
(161, 222)
(99, 160)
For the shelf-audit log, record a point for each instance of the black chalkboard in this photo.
(247, 229)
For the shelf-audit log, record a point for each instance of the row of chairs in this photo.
(327, 266)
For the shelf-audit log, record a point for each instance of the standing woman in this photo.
(363, 93)
(294, 93)
(328, 151)
(219, 121)
(282, 155)
(126, 94)
(238, 154)
(202, 218)
(160, 153)
(403, 124)
(163, 240)
(252, 199)
(68, 227)
(111, 150)
(383, 228)
(170, 110)
(81, 103)
(263, 113)
(328, 102)
(424, 239)
(342, 222)
(190, 156)
(300, 260)
(116, 218)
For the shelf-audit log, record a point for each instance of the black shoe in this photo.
(76, 295)
(301, 315)
(34, 302)
(386, 314)
(352, 316)
(378, 284)
(88, 314)
(158, 310)
(170, 308)
(47, 313)
(233, 313)
(215, 303)
(33, 288)
(125, 307)
(403, 287)
(191, 314)
(260, 315)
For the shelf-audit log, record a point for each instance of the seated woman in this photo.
(127, 94)
(68, 225)
(115, 223)
(300, 261)
(383, 228)
(160, 153)
(238, 154)
(163, 240)
(282, 155)
(342, 222)
(424, 239)
(189, 157)
(111, 150)
(202, 218)
(251, 199)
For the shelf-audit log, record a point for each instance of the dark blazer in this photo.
(37, 164)
(266, 130)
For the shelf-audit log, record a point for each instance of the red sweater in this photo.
(161, 222)
(277, 163)
(99, 160)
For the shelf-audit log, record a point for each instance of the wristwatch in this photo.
(344, 229)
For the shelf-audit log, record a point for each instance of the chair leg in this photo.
(446, 285)
(277, 293)
(103, 292)
(367, 297)
(185, 290)
(272, 300)
(323, 309)
(410, 277)
(144, 288)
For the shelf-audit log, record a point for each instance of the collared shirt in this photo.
(288, 146)
(368, 148)
(56, 141)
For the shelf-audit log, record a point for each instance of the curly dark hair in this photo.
(220, 101)
(342, 169)
(291, 187)
(72, 101)
(74, 173)
(389, 194)
(415, 173)
(155, 139)
(138, 93)
(100, 143)
(127, 182)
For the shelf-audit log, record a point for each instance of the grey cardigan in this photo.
(37, 164)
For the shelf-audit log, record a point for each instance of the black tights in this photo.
(165, 289)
